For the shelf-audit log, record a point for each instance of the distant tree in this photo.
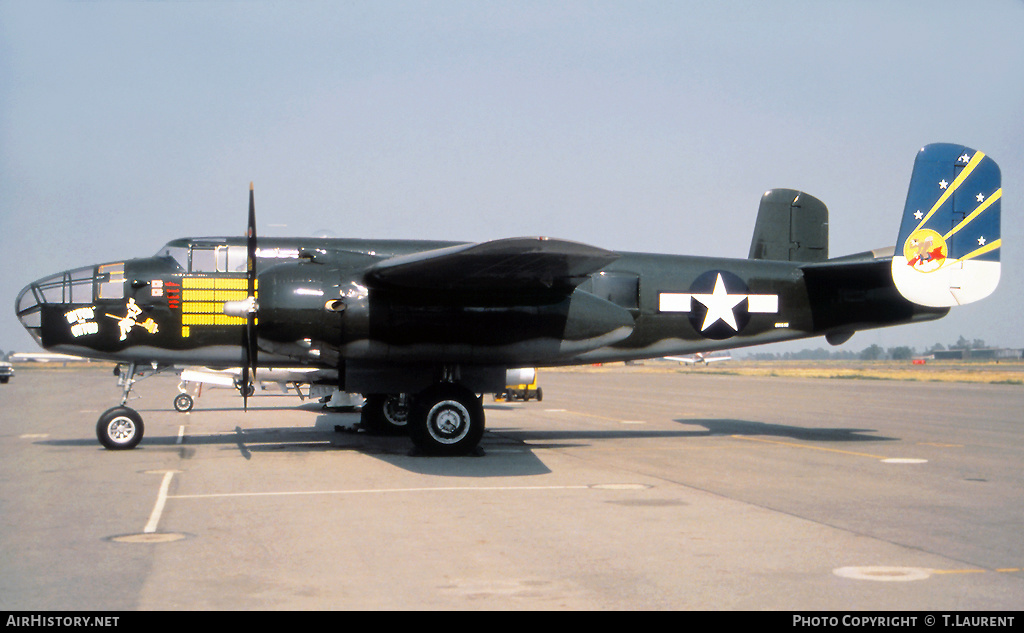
(872, 353)
(808, 354)
(901, 353)
(938, 347)
(963, 343)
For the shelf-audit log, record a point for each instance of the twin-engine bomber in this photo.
(423, 328)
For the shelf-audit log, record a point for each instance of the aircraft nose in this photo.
(68, 287)
(28, 308)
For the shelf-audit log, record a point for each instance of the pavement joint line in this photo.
(599, 417)
(814, 448)
(221, 495)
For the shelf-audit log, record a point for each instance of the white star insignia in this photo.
(981, 197)
(981, 241)
(918, 215)
(719, 304)
(965, 158)
(943, 184)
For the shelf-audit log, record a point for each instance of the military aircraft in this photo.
(423, 328)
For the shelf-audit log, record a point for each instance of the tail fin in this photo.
(947, 253)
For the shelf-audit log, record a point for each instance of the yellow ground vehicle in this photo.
(523, 386)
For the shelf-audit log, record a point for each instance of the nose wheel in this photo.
(120, 428)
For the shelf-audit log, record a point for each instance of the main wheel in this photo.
(119, 428)
(384, 415)
(446, 420)
(183, 402)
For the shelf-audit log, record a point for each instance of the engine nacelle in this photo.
(309, 310)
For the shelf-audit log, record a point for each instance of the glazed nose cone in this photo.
(62, 289)
(28, 308)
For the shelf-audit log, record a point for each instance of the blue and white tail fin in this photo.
(947, 253)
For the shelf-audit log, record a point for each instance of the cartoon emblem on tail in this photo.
(925, 250)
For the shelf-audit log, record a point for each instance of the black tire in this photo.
(120, 428)
(183, 403)
(384, 414)
(540, 394)
(446, 420)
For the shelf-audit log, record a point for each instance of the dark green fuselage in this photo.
(319, 306)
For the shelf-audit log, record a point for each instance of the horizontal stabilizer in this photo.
(791, 226)
(947, 252)
(509, 264)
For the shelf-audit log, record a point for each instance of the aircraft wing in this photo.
(508, 265)
(698, 359)
(282, 375)
(686, 360)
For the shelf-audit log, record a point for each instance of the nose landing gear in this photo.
(121, 427)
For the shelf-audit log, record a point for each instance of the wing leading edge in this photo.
(510, 265)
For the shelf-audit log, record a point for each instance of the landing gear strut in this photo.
(121, 428)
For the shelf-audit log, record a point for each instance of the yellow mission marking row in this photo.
(202, 301)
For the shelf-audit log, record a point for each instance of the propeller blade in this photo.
(244, 385)
(250, 245)
(249, 347)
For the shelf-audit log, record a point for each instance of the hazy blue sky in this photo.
(631, 125)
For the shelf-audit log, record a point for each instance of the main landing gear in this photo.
(121, 427)
(384, 414)
(446, 419)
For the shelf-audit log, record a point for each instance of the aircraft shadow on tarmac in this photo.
(334, 431)
(564, 438)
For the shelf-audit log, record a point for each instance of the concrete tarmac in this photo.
(624, 488)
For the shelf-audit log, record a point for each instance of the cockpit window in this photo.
(218, 259)
(110, 281)
(211, 255)
(178, 253)
(231, 259)
(204, 260)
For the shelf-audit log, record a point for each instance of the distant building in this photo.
(988, 353)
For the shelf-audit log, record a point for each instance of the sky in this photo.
(635, 125)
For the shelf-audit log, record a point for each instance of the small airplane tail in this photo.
(947, 253)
